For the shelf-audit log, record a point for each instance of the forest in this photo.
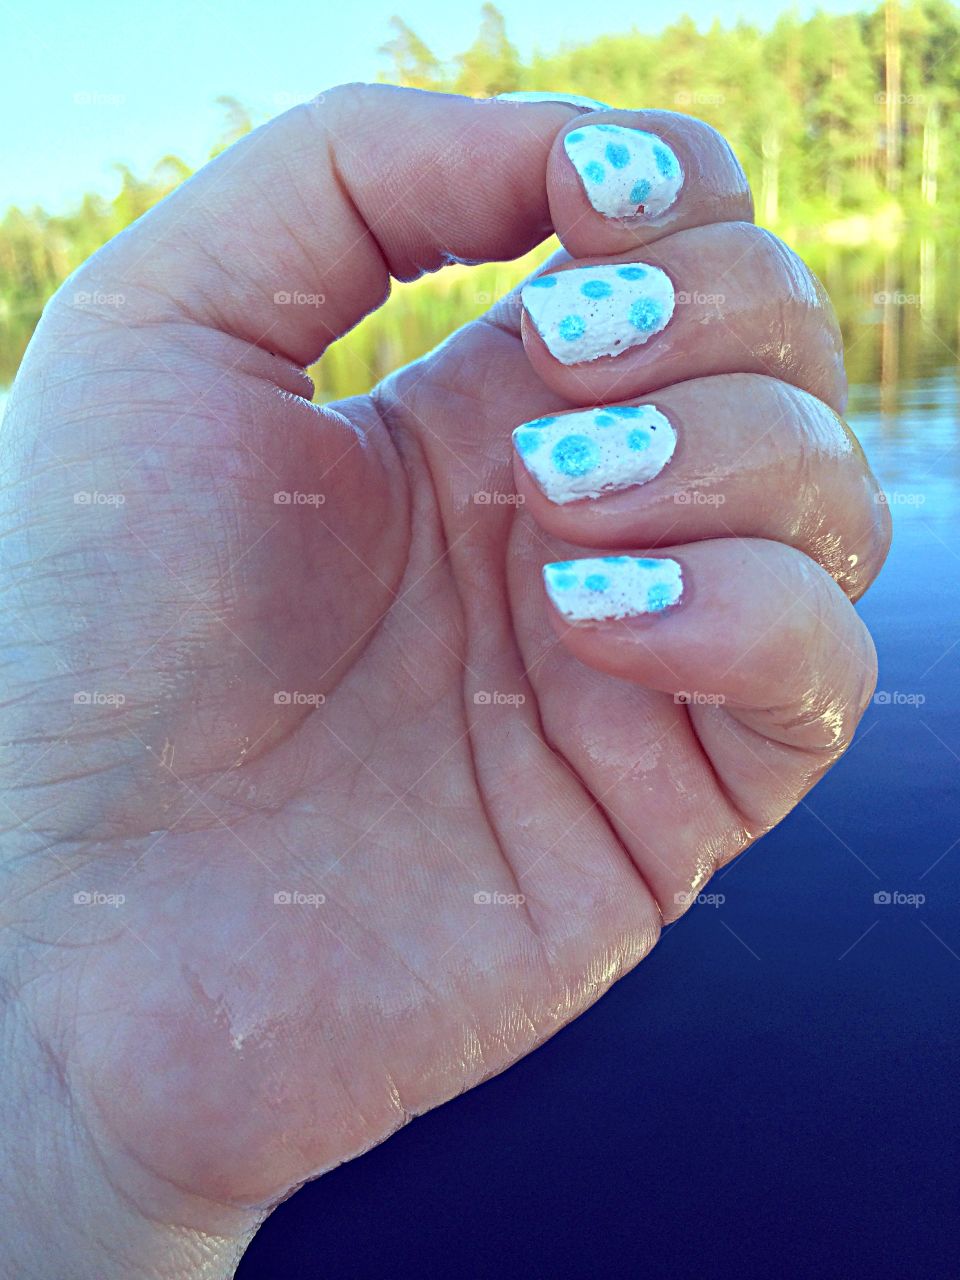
(844, 124)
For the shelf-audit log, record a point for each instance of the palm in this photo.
(398, 799)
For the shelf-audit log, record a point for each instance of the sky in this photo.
(87, 86)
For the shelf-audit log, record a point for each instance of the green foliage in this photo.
(806, 105)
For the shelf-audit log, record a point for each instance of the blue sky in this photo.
(88, 85)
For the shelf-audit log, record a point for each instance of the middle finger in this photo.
(726, 298)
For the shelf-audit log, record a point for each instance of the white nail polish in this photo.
(589, 312)
(603, 587)
(595, 451)
(570, 99)
(624, 172)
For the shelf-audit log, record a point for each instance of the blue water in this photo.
(774, 1091)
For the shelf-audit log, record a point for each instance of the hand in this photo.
(360, 816)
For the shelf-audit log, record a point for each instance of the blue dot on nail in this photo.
(562, 581)
(617, 154)
(539, 423)
(666, 161)
(594, 171)
(607, 128)
(646, 564)
(542, 282)
(575, 455)
(596, 582)
(596, 289)
(639, 192)
(614, 559)
(604, 420)
(559, 564)
(659, 597)
(625, 410)
(644, 314)
(576, 136)
(631, 273)
(638, 440)
(572, 327)
(527, 441)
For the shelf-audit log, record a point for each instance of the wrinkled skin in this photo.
(214, 1047)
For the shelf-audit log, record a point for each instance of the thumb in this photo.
(326, 202)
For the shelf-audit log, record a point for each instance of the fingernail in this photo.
(593, 590)
(624, 172)
(598, 311)
(595, 451)
(571, 99)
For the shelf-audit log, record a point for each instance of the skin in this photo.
(178, 1063)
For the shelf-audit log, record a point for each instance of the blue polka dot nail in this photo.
(626, 173)
(589, 312)
(609, 587)
(595, 451)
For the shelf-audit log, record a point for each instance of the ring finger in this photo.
(733, 455)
